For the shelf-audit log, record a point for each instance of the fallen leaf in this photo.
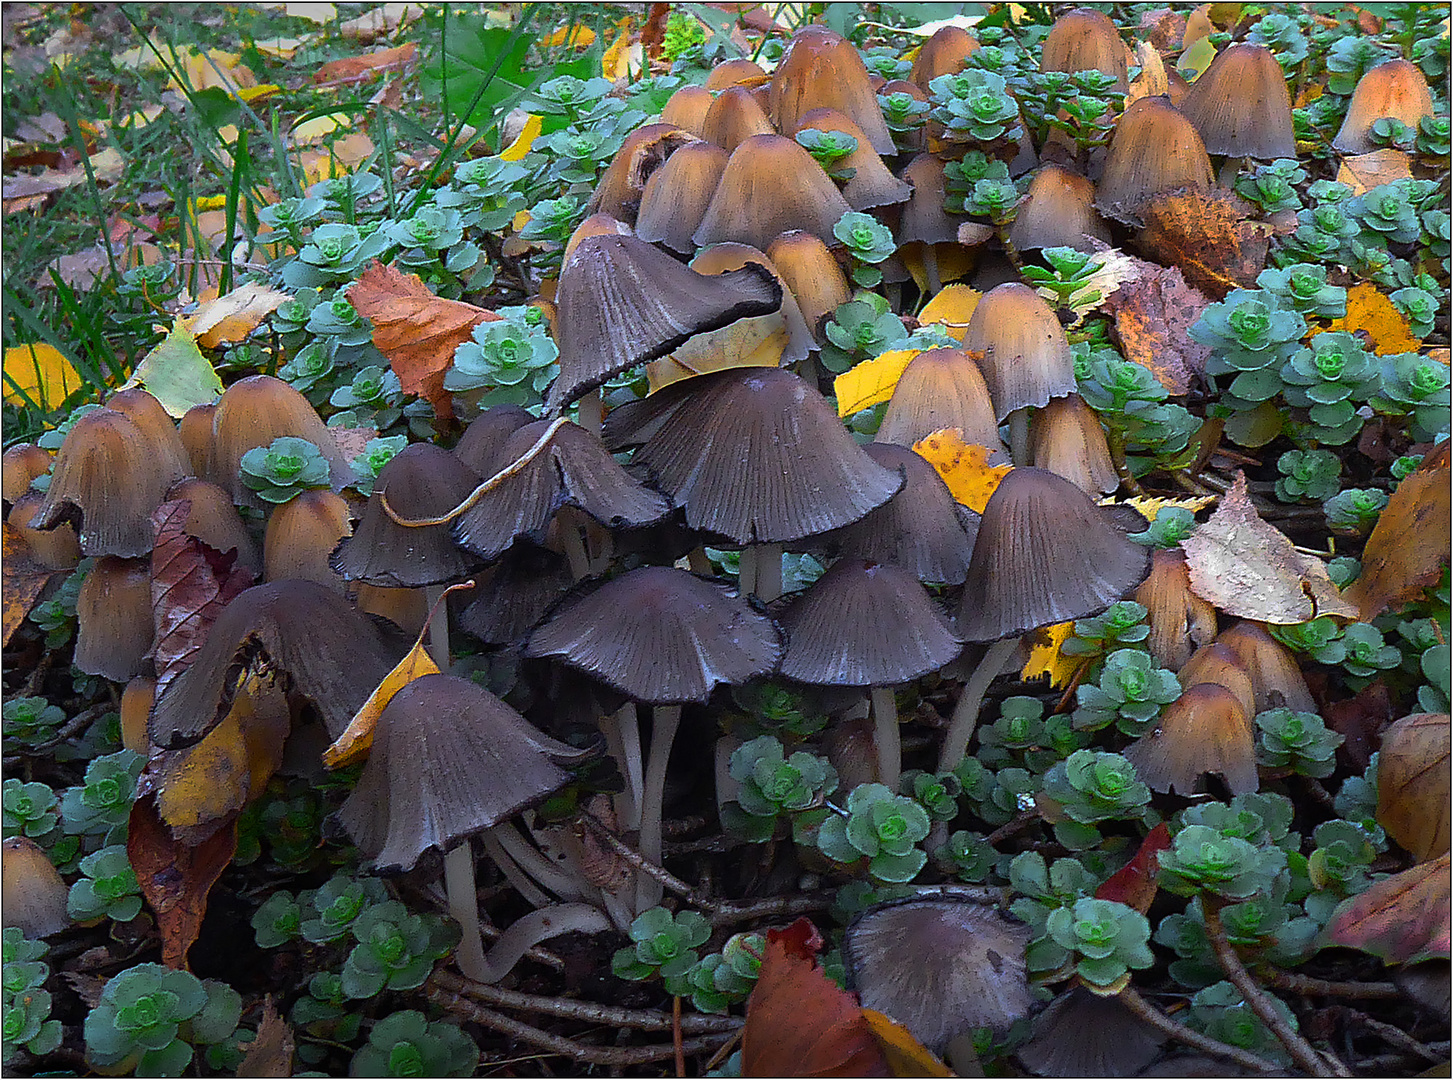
(1413, 787)
(106, 166)
(176, 373)
(357, 737)
(1115, 270)
(653, 33)
(317, 128)
(522, 144)
(577, 37)
(955, 262)
(1360, 719)
(1196, 59)
(1363, 172)
(866, 384)
(1152, 314)
(24, 579)
(906, 1055)
(963, 466)
(1135, 883)
(758, 341)
(381, 20)
(622, 57)
(1207, 235)
(88, 988)
(174, 877)
(81, 269)
(1148, 506)
(41, 372)
(342, 156)
(1046, 658)
(1401, 919)
(229, 319)
(415, 329)
(352, 69)
(952, 309)
(799, 1023)
(1245, 567)
(271, 1051)
(1373, 318)
(1409, 544)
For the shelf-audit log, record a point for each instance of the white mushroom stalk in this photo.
(665, 719)
(971, 701)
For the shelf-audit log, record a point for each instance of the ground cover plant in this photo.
(723, 539)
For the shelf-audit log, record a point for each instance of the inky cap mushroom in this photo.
(114, 626)
(940, 388)
(1085, 40)
(646, 149)
(1241, 105)
(677, 195)
(771, 185)
(822, 70)
(253, 412)
(1059, 211)
(1154, 149)
(1397, 89)
(1276, 680)
(1179, 619)
(1204, 730)
(1026, 356)
(1066, 438)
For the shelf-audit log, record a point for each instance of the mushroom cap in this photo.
(513, 595)
(644, 150)
(1276, 679)
(136, 701)
(946, 52)
(1044, 554)
(253, 412)
(865, 624)
(1154, 149)
(215, 521)
(449, 759)
(920, 529)
(108, 471)
(1027, 358)
(302, 534)
(571, 468)
(158, 427)
(34, 894)
(1204, 730)
(55, 549)
(622, 301)
(721, 259)
(1059, 211)
(1178, 618)
(1214, 663)
(812, 275)
(661, 636)
(754, 454)
(1397, 89)
(483, 440)
(924, 219)
(1066, 438)
(114, 625)
(1083, 40)
(195, 431)
(686, 109)
(332, 655)
(597, 224)
(940, 967)
(736, 72)
(1241, 105)
(822, 70)
(1081, 1033)
(871, 184)
(421, 480)
(19, 465)
(735, 115)
(940, 388)
(677, 195)
(771, 185)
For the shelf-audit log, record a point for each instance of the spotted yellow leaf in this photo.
(870, 382)
(1373, 313)
(1148, 507)
(1045, 657)
(964, 466)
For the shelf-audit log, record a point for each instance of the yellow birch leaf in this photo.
(954, 262)
(579, 37)
(357, 737)
(1045, 657)
(176, 373)
(964, 466)
(311, 131)
(231, 318)
(523, 141)
(257, 93)
(1196, 59)
(870, 382)
(1148, 507)
(1373, 313)
(622, 55)
(906, 1055)
(44, 373)
(951, 308)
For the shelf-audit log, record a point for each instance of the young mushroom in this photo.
(676, 197)
(1066, 438)
(1206, 729)
(946, 52)
(1241, 105)
(301, 536)
(646, 149)
(822, 70)
(195, 431)
(940, 388)
(871, 184)
(253, 412)
(815, 279)
(1081, 1033)
(1085, 40)
(1058, 211)
(19, 465)
(733, 117)
(1215, 663)
(687, 108)
(1154, 149)
(114, 626)
(1179, 620)
(213, 519)
(1276, 680)
(34, 896)
(1396, 89)
(924, 220)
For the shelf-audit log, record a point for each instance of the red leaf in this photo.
(799, 1023)
(1402, 919)
(1134, 884)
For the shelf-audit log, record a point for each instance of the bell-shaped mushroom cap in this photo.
(1276, 680)
(1241, 105)
(871, 184)
(1154, 149)
(483, 441)
(514, 594)
(1027, 358)
(195, 431)
(422, 480)
(1066, 438)
(1204, 730)
(940, 388)
(686, 109)
(108, 471)
(541, 474)
(754, 454)
(255, 411)
(736, 72)
(770, 185)
(677, 195)
(717, 259)
(1085, 40)
(114, 626)
(34, 895)
(661, 635)
(405, 608)
(646, 149)
(1044, 554)
(622, 302)
(1084, 1034)
(734, 116)
(822, 70)
(1214, 663)
(940, 967)
(920, 529)
(924, 219)
(213, 520)
(301, 536)
(449, 759)
(813, 276)
(1059, 211)
(596, 225)
(333, 655)
(1179, 619)
(55, 549)
(1397, 89)
(945, 53)
(159, 428)
(865, 624)
(19, 465)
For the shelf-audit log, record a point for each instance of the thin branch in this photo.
(769, 906)
(1174, 1029)
(639, 862)
(1313, 987)
(1396, 1037)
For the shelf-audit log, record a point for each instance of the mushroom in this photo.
(55, 549)
(213, 520)
(1241, 105)
(661, 636)
(19, 465)
(1276, 680)
(1214, 663)
(735, 115)
(822, 70)
(940, 388)
(195, 431)
(1085, 40)
(738, 71)
(646, 149)
(1178, 618)
(871, 625)
(677, 195)
(159, 428)
(1154, 149)
(812, 275)
(450, 760)
(482, 443)
(1026, 357)
(871, 184)
(253, 412)
(301, 535)
(1206, 729)
(924, 219)
(1397, 89)
(513, 595)
(114, 627)
(594, 225)
(1086, 1034)
(136, 701)
(686, 109)
(1058, 211)
(1044, 554)
(1066, 438)
(35, 896)
(946, 52)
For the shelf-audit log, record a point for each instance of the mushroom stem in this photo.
(513, 873)
(885, 735)
(591, 413)
(600, 545)
(768, 560)
(464, 907)
(966, 712)
(930, 269)
(747, 571)
(1019, 436)
(551, 876)
(573, 543)
(727, 786)
(526, 932)
(697, 561)
(664, 721)
(623, 740)
(438, 626)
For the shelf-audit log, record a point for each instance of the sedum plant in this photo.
(1101, 939)
(108, 890)
(512, 361)
(1040, 889)
(376, 454)
(968, 854)
(336, 906)
(1121, 624)
(406, 1043)
(1171, 525)
(1303, 287)
(1367, 653)
(773, 784)
(1415, 387)
(974, 106)
(102, 805)
(1220, 1012)
(880, 826)
(149, 1018)
(283, 469)
(31, 721)
(334, 253)
(719, 980)
(1273, 186)
(1308, 474)
(25, 1022)
(395, 950)
(860, 330)
(1092, 786)
(30, 809)
(868, 243)
(1203, 859)
(1326, 378)
(663, 944)
(1297, 741)
(1132, 691)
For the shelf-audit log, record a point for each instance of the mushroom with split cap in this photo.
(114, 626)
(1179, 620)
(1066, 438)
(687, 108)
(663, 637)
(1085, 40)
(595, 225)
(1241, 105)
(822, 70)
(482, 444)
(158, 427)
(755, 455)
(946, 52)
(871, 184)
(514, 594)
(924, 220)
(736, 72)
(735, 115)
(1154, 149)
(1206, 729)
(646, 149)
(871, 625)
(19, 465)
(1026, 357)
(55, 549)
(1276, 680)
(449, 760)
(214, 520)
(301, 536)
(253, 412)
(940, 388)
(1058, 211)
(677, 195)
(815, 279)
(1396, 89)
(1044, 554)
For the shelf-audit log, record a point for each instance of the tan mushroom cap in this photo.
(924, 219)
(1179, 620)
(1215, 663)
(136, 702)
(813, 275)
(56, 549)
(1084, 40)
(114, 627)
(195, 431)
(940, 388)
(1058, 211)
(1241, 105)
(1205, 730)
(946, 52)
(301, 535)
(596, 225)
(686, 109)
(1276, 679)
(1397, 89)
(646, 149)
(158, 427)
(733, 117)
(771, 185)
(822, 70)
(1154, 149)
(1066, 438)
(1026, 356)
(34, 895)
(20, 465)
(717, 259)
(871, 184)
(214, 520)
(253, 412)
(738, 71)
(677, 195)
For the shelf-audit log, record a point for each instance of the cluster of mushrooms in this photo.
(589, 567)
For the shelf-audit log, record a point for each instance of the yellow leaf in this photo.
(753, 342)
(311, 131)
(964, 466)
(870, 382)
(954, 262)
(579, 37)
(257, 93)
(951, 308)
(42, 371)
(1148, 507)
(232, 317)
(622, 56)
(358, 736)
(1045, 657)
(214, 68)
(1373, 313)
(318, 13)
(281, 47)
(906, 1055)
(523, 141)
(1196, 59)
(176, 373)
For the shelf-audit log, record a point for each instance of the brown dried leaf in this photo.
(271, 1052)
(1413, 787)
(1152, 314)
(231, 318)
(415, 329)
(87, 987)
(106, 167)
(1248, 568)
(22, 578)
(1363, 172)
(1409, 544)
(353, 69)
(1402, 919)
(1359, 719)
(1207, 235)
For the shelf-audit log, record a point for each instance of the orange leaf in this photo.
(1152, 314)
(1363, 172)
(415, 329)
(906, 1055)
(1134, 884)
(964, 466)
(352, 69)
(356, 739)
(1409, 544)
(1402, 919)
(1207, 235)
(1413, 783)
(1372, 316)
(24, 579)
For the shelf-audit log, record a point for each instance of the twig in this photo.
(769, 906)
(723, 1050)
(1144, 1010)
(1018, 823)
(1395, 1036)
(1314, 987)
(1318, 792)
(32, 684)
(1302, 1052)
(676, 1035)
(79, 723)
(639, 862)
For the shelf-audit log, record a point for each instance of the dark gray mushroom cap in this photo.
(422, 480)
(924, 218)
(515, 593)
(1044, 554)
(572, 468)
(449, 759)
(661, 635)
(865, 624)
(331, 653)
(622, 302)
(754, 454)
(940, 967)
(483, 440)
(1081, 1033)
